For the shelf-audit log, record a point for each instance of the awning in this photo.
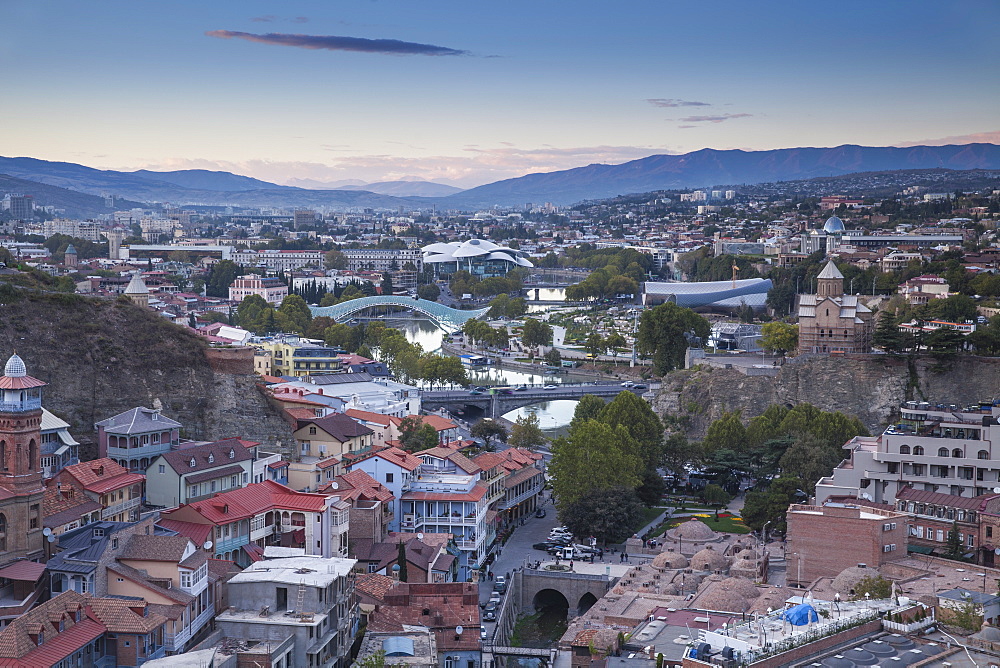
(61, 449)
(66, 438)
(255, 551)
(920, 549)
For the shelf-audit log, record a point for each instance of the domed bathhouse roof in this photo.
(709, 560)
(15, 367)
(834, 225)
(668, 560)
(693, 530)
(848, 578)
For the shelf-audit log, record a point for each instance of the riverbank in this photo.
(588, 369)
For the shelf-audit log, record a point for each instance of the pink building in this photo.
(272, 290)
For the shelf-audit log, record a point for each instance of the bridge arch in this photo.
(444, 316)
(550, 599)
(585, 603)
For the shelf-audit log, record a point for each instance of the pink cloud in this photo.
(975, 138)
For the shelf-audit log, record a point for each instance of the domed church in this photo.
(830, 321)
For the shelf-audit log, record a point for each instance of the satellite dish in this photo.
(420, 536)
(996, 490)
(207, 545)
(458, 630)
(997, 551)
(50, 538)
(46, 531)
(334, 485)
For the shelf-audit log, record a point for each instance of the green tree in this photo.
(966, 615)
(727, 433)
(526, 433)
(609, 515)
(294, 314)
(416, 435)
(661, 334)
(594, 456)
(614, 342)
(637, 417)
(553, 357)
(251, 314)
(589, 407)
(386, 287)
(535, 333)
(955, 548)
(779, 337)
(594, 344)
(809, 459)
(678, 452)
(401, 560)
(772, 505)
(489, 430)
(430, 292)
(220, 277)
(887, 335)
(876, 586)
(335, 260)
(716, 497)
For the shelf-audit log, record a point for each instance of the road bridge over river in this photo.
(499, 402)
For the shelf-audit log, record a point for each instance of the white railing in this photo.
(176, 641)
(111, 511)
(266, 530)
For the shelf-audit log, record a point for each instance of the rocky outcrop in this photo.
(102, 357)
(870, 387)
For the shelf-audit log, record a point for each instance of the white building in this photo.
(279, 260)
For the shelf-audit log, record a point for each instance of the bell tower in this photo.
(20, 429)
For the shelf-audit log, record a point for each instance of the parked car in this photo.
(475, 392)
(628, 383)
(545, 547)
(482, 633)
(490, 614)
(500, 584)
(549, 387)
(540, 512)
(640, 386)
(494, 597)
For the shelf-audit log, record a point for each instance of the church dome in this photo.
(136, 286)
(15, 367)
(833, 225)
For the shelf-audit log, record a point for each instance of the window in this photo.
(186, 580)
(34, 510)
(232, 453)
(246, 477)
(957, 452)
(193, 463)
(233, 481)
(212, 485)
(114, 543)
(388, 477)
(904, 449)
(989, 532)
(970, 540)
(211, 459)
(312, 431)
(918, 449)
(162, 468)
(942, 452)
(983, 454)
(940, 535)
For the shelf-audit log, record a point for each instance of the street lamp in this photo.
(836, 603)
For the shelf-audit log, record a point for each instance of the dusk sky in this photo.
(471, 92)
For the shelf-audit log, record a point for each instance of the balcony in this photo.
(263, 532)
(122, 507)
(175, 642)
(29, 404)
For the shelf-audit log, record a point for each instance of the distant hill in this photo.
(709, 167)
(76, 204)
(202, 179)
(407, 188)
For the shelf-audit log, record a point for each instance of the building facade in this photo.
(271, 290)
(830, 321)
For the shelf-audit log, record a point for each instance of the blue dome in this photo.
(833, 225)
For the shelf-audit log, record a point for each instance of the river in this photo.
(553, 416)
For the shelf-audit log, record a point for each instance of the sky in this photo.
(466, 93)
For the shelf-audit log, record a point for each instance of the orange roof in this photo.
(251, 500)
(368, 416)
(358, 484)
(102, 475)
(475, 494)
(454, 456)
(302, 413)
(392, 455)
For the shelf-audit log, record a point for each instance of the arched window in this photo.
(918, 449)
(957, 452)
(32, 455)
(3, 532)
(904, 449)
(942, 452)
(983, 455)
(3, 455)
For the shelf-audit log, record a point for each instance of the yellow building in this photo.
(293, 356)
(322, 444)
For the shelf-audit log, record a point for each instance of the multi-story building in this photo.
(323, 442)
(136, 437)
(393, 468)
(816, 536)
(830, 321)
(119, 491)
(371, 505)
(922, 289)
(240, 523)
(934, 516)
(59, 448)
(308, 598)
(293, 356)
(21, 207)
(935, 448)
(197, 472)
(279, 260)
(271, 290)
(402, 264)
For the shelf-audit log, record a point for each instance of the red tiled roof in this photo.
(24, 571)
(102, 475)
(395, 456)
(252, 500)
(947, 500)
(198, 533)
(368, 416)
(301, 413)
(19, 383)
(455, 457)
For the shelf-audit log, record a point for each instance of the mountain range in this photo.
(699, 169)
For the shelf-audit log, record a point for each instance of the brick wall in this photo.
(232, 361)
(817, 536)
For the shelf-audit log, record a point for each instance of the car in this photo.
(640, 386)
(549, 387)
(474, 392)
(540, 512)
(544, 547)
(628, 383)
(494, 597)
(501, 584)
(520, 388)
(482, 633)
(490, 613)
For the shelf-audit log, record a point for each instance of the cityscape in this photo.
(369, 336)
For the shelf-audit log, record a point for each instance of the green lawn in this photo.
(723, 525)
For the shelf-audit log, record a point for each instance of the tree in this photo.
(875, 586)
(809, 459)
(637, 416)
(772, 505)
(526, 433)
(251, 314)
(416, 435)
(430, 292)
(594, 456)
(335, 260)
(401, 560)
(535, 333)
(779, 337)
(553, 357)
(488, 430)
(294, 314)
(609, 515)
(614, 342)
(220, 277)
(678, 452)
(587, 408)
(661, 334)
(716, 497)
(727, 433)
(955, 546)
(887, 335)
(386, 286)
(595, 344)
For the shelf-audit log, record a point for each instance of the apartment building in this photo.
(271, 290)
(309, 599)
(941, 448)
(279, 260)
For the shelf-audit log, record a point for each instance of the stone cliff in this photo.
(102, 357)
(869, 387)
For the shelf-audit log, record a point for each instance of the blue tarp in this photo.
(800, 615)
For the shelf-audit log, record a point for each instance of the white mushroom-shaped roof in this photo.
(693, 530)
(474, 247)
(709, 560)
(478, 248)
(15, 367)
